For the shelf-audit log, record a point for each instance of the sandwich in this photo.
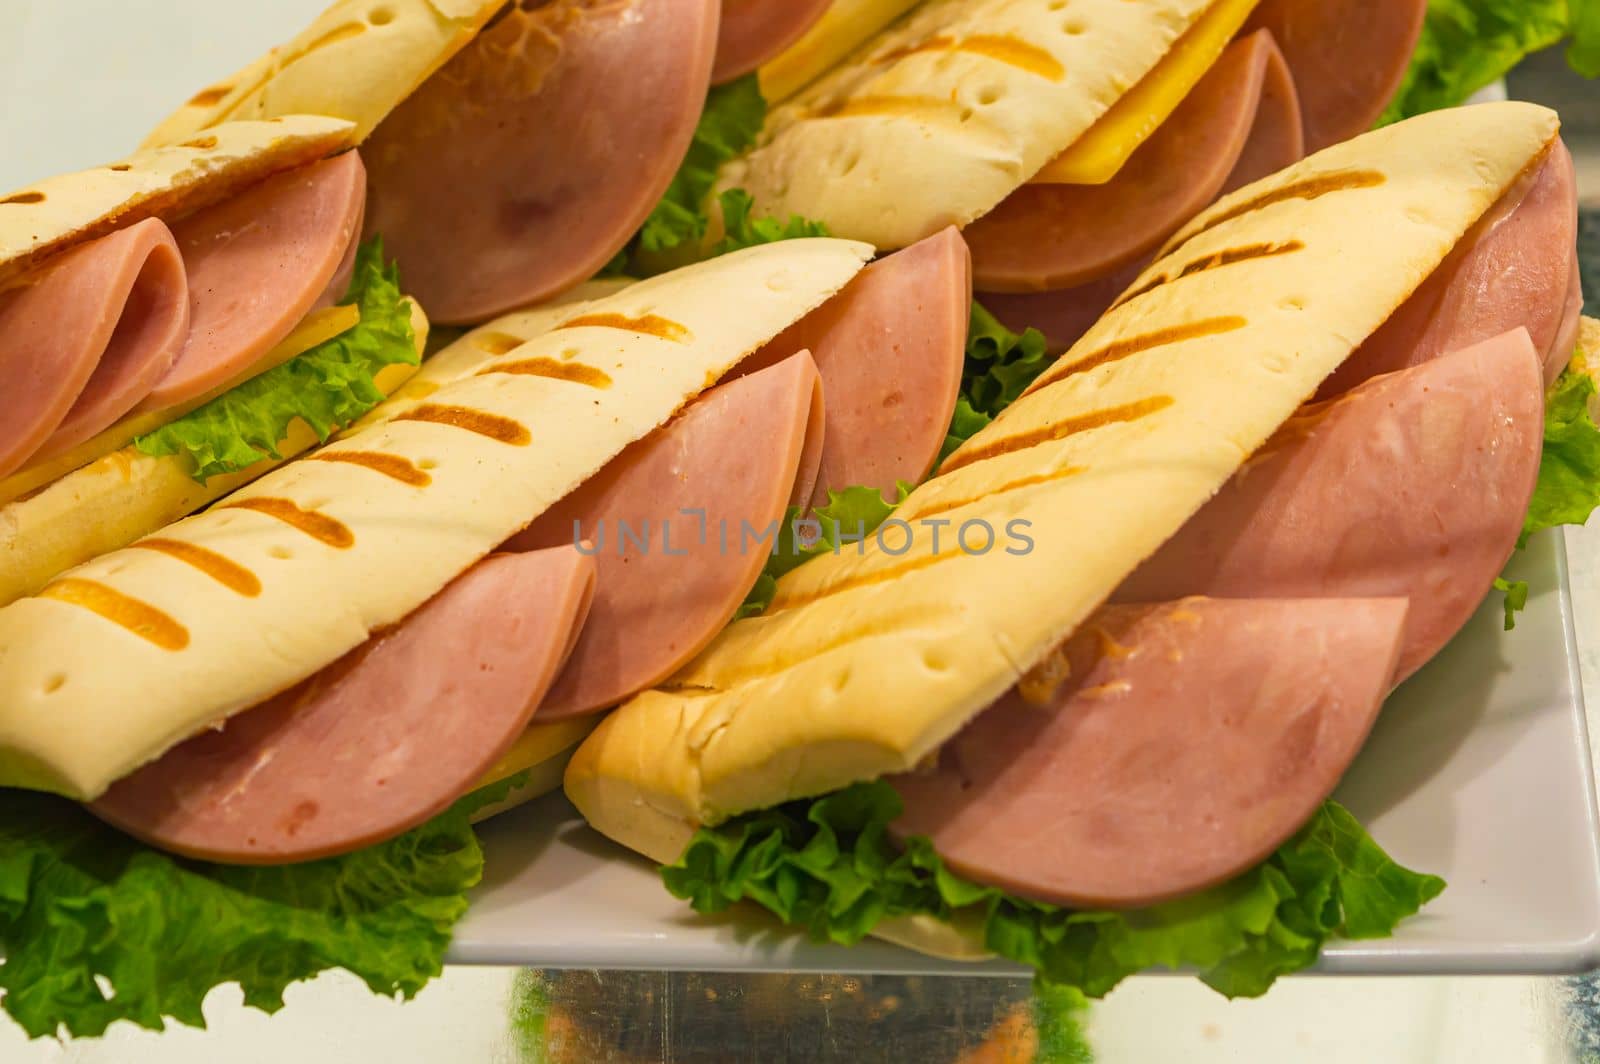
(287, 711)
(1095, 727)
(1069, 145)
(461, 107)
(453, 540)
(176, 324)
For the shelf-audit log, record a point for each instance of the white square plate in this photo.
(1479, 771)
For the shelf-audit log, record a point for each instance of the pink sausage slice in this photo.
(1278, 136)
(258, 264)
(1276, 141)
(1565, 345)
(1414, 485)
(1065, 314)
(668, 522)
(1188, 742)
(1059, 236)
(84, 340)
(381, 741)
(890, 349)
(527, 163)
(1513, 270)
(1348, 58)
(755, 31)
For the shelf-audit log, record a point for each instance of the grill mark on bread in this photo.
(1137, 345)
(933, 110)
(1003, 48)
(884, 575)
(210, 97)
(497, 343)
(23, 199)
(1312, 188)
(228, 573)
(775, 664)
(1230, 257)
(140, 618)
(318, 526)
(390, 465)
(493, 426)
(644, 325)
(1058, 430)
(942, 507)
(573, 372)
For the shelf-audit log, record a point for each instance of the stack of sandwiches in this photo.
(727, 510)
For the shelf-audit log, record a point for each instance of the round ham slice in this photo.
(1348, 58)
(1515, 269)
(672, 523)
(258, 264)
(1277, 137)
(1414, 485)
(1185, 743)
(86, 338)
(755, 31)
(1058, 236)
(378, 743)
(1276, 141)
(526, 164)
(890, 348)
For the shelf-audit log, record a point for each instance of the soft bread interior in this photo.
(952, 110)
(867, 663)
(128, 655)
(358, 60)
(165, 183)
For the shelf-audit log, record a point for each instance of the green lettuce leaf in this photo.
(743, 231)
(81, 902)
(1516, 593)
(673, 234)
(849, 517)
(1468, 45)
(828, 866)
(999, 367)
(1568, 490)
(1584, 54)
(328, 387)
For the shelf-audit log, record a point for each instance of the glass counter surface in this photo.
(80, 83)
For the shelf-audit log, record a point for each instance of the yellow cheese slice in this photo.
(539, 744)
(847, 26)
(870, 660)
(1102, 152)
(124, 657)
(125, 495)
(317, 329)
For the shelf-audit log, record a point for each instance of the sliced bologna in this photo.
(1058, 236)
(1185, 743)
(524, 166)
(1515, 269)
(890, 349)
(1348, 58)
(1414, 485)
(667, 522)
(84, 340)
(1276, 141)
(756, 31)
(258, 264)
(381, 741)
